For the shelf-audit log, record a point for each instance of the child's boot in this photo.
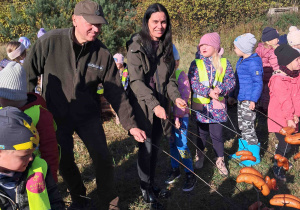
(242, 146)
(255, 149)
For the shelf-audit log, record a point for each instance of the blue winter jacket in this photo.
(249, 74)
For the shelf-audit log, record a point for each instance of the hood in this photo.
(34, 99)
(261, 50)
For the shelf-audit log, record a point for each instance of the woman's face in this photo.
(207, 50)
(157, 25)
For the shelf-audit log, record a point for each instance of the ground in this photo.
(233, 196)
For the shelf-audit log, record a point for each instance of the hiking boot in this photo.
(190, 182)
(221, 166)
(199, 159)
(173, 176)
(279, 173)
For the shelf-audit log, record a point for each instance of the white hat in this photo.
(293, 36)
(13, 84)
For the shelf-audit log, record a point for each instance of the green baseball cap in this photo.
(90, 11)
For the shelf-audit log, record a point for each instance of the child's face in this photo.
(273, 42)
(176, 64)
(238, 52)
(119, 65)
(294, 65)
(207, 50)
(15, 160)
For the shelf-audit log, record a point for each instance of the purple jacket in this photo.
(185, 92)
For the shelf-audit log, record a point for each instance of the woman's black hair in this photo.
(166, 38)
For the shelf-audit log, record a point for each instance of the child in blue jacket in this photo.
(249, 70)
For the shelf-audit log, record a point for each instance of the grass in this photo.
(124, 150)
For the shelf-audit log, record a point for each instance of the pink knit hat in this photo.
(212, 39)
(119, 58)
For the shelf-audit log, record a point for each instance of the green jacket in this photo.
(71, 74)
(143, 99)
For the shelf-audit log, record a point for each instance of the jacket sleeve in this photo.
(185, 92)
(137, 80)
(115, 95)
(228, 81)
(273, 60)
(197, 87)
(281, 93)
(34, 64)
(56, 201)
(256, 71)
(48, 143)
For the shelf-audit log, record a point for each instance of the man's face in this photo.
(15, 160)
(84, 31)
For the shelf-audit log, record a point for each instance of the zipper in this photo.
(14, 205)
(76, 70)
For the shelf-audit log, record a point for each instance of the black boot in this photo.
(149, 197)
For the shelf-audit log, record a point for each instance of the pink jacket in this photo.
(268, 56)
(185, 92)
(284, 100)
(269, 59)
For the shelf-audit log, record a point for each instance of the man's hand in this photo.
(214, 94)
(160, 112)
(252, 105)
(180, 103)
(291, 123)
(138, 134)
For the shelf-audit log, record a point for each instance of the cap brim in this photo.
(94, 19)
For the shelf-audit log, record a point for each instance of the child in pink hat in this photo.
(211, 78)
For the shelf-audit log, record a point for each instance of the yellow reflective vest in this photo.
(36, 186)
(203, 79)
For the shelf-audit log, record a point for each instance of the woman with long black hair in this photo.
(154, 87)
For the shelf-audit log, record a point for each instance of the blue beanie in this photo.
(25, 41)
(269, 34)
(175, 53)
(245, 43)
(283, 39)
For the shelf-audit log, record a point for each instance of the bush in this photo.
(25, 18)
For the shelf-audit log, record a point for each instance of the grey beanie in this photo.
(245, 43)
(13, 84)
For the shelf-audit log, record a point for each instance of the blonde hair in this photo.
(12, 46)
(216, 62)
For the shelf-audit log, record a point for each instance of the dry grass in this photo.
(124, 151)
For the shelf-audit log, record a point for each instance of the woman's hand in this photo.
(291, 123)
(180, 103)
(160, 112)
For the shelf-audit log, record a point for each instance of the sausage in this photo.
(297, 156)
(256, 180)
(287, 196)
(293, 139)
(287, 131)
(248, 157)
(249, 170)
(243, 152)
(285, 201)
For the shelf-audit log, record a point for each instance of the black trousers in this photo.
(147, 155)
(282, 145)
(215, 131)
(92, 134)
